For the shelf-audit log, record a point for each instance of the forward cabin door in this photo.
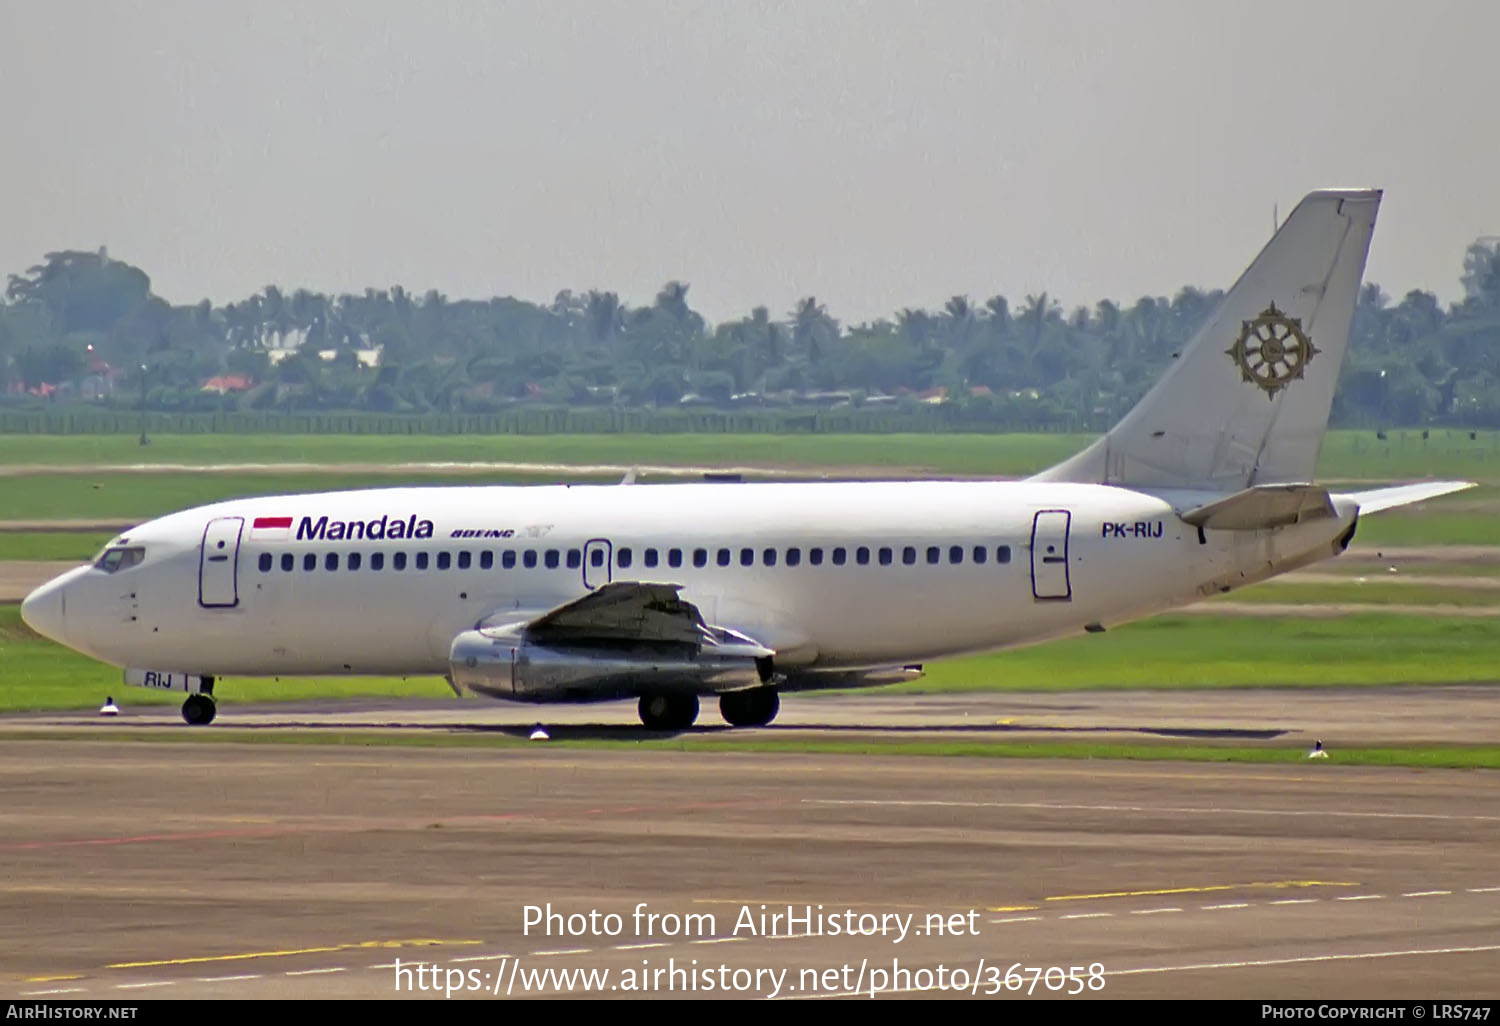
(1049, 556)
(218, 563)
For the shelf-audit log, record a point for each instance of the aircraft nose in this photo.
(45, 611)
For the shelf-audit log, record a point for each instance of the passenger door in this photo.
(218, 563)
(1049, 556)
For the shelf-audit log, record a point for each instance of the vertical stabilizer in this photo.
(1247, 401)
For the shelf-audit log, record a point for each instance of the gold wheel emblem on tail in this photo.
(1272, 350)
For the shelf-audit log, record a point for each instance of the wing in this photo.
(635, 611)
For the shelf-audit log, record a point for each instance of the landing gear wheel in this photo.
(199, 710)
(668, 712)
(753, 708)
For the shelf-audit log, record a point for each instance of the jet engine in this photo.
(506, 663)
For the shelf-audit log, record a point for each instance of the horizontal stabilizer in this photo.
(1262, 507)
(1377, 499)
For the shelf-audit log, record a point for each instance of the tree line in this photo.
(82, 326)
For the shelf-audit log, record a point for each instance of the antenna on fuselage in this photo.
(629, 477)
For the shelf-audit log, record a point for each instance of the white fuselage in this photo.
(215, 594)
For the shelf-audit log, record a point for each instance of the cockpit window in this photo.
(120, 558)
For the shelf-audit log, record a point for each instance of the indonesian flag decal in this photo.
(271, 527)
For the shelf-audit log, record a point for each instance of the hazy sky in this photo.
(876, 155)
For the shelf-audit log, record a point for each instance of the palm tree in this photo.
(812, 330)
(605, 317)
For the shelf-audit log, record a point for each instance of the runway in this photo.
(160, 870)
(1341, 717)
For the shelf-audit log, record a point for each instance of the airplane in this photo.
(666, 593)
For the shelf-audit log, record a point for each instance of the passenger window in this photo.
(934, 554)
(486, 560)
(768, 557)
(508, 559)
(622, 558)
(463, 560)
(287, 561)
(575, 559)
(793, 556)
(838, 556)
(596, 558)
(310, 562)
(377, 561)
(650, 557)
(700, 557)
(421, 561)
(725, 557)
(815, 557)
(331, 561)
(956, 554)
(886, 555)
(674, 557)
(747, 557)
(862, 556)
(265, 562)
(354, 560)
(980, 553)
(909, 555)
(1002, 554)
(444, 561)
(398, 561)
(552, 558)
(528, 559)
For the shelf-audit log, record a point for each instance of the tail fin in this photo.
(1247, 401)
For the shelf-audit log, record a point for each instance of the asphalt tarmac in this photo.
(152, 869)
(1340, 717)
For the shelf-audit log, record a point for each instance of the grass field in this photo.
(144, 495)
(147, 495)
(47, 545)
(1167, 652)
(97, 492)
(1345, 454)
(1372, 590)
(1367, 648)
(955, 454)
(37, 674)
(1429, 524)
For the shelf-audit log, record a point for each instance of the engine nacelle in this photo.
(504, 663)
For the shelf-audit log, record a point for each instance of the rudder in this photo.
(1247, 402)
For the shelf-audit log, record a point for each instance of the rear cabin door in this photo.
(1049, 556)
(218, 564)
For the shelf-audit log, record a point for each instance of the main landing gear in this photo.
(753, 708)
(199, 709)
(664, 711)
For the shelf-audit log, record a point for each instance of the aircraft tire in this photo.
(754, 708)
(663, 711)
(199, 710)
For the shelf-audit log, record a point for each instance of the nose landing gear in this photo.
(199, 709)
